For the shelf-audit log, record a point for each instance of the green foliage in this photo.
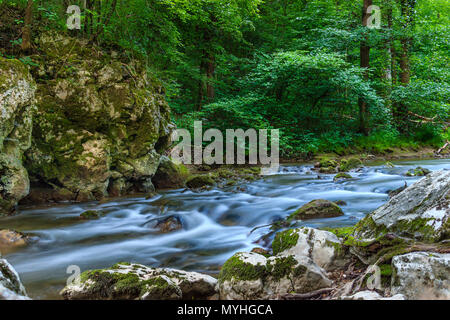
(292, 65)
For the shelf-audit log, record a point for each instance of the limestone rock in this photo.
(422, 276)
(253, 276)
(372, 295)
(317, 209)
(17, 89)
(101, 122)
(421, 211)
(322, 247)
(11, 287)
(170, 175)
(134, 281)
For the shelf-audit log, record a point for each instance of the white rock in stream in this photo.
(127, 281)
(421, 211)
(10, 286)
(422, 275)
(322, 247)
(249, 275)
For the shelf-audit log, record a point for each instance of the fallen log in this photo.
(443, 147)
(304, 296)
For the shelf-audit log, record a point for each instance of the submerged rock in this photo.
(417, 172)
(128, 281)
(317, 209)
(11, 287)
(91, 215)
(11, 240)
(101, 122)
(17, 89)
(419, 212)
(169, 224)
(422, 276)
(342, 176)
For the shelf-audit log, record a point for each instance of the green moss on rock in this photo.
(284, 240)
(317, 209)
(199, 181)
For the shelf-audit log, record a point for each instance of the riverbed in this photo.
(216, 223)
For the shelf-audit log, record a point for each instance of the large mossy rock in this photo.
(10, 286)
(301, 258)
(127, 281)
(349, 164)
(252, 276)
(420, 212)
(324, 248)
(422, 276)
(317, 209)
(101, 121)
(170, 174)
(17, 90)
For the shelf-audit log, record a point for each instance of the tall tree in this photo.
(26, 45)
(365, 64)
(407, 11)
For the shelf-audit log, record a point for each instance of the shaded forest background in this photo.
(311, 68)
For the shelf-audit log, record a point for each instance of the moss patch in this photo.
(284, 240)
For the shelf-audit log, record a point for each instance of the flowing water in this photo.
(216, 223)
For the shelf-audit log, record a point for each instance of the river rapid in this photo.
(216, 223)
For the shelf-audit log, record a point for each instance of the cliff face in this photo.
(99, 124)
(17, 89)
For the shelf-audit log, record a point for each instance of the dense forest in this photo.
(333, 76)
(96, 202)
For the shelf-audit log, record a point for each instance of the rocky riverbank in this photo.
(399, 251)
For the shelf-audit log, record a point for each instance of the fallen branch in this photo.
(443, 147)
(304, 296)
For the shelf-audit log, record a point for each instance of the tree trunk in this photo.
(210, 71)
(26, 31)
(365, 64)
(401, 112)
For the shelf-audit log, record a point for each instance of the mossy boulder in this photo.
(418, 172)
(91, 215)
(17, 90)
(349, 164)
(249, 275)
(324, 248)
(129, 281)
(101, 121)
(170, 174)
(422, 276)
(200, 181)
(327, 165)
(342, 176)
(420, 212)
(11, 288)
(317, 209)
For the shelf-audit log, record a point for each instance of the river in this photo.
(216, 223)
